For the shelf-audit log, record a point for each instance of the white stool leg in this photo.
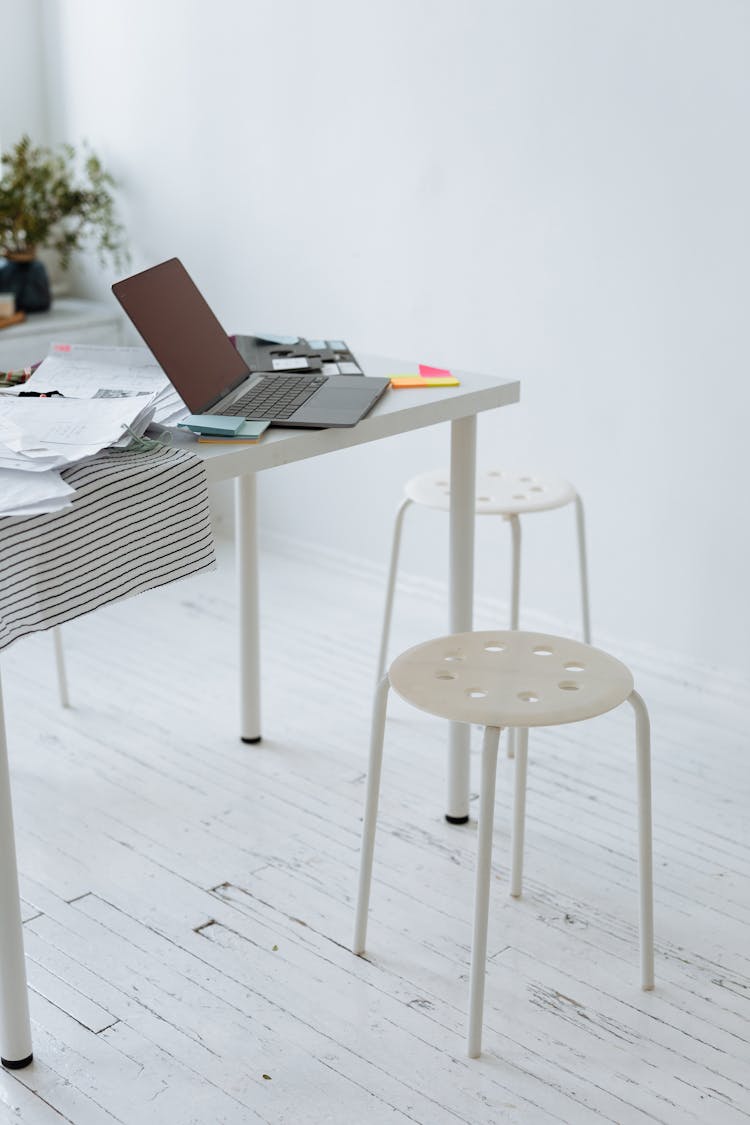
(391, 588)
(515, 604)
(15, 1029)
(515, 583)
(62, 679)
(645, 863)
(482, 891)
(377, 733)
(519, 812)
(581, 528)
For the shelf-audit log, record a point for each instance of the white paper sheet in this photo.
(79, 374)
(68, 429)
(92, 370)
(25, 494)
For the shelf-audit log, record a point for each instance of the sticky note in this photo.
(317, 345)
(433, 372)
(349, 369)
(423, 381)
(269, 338)
(211, 424)
(248, 431)
(337, 345)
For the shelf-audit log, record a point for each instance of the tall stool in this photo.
(516, 680)
(499, 493)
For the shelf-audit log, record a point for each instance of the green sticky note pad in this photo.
(251, 429)
(212, 424)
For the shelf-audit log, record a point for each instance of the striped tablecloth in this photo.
(138, 520)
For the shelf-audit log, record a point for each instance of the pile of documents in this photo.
(107, 397)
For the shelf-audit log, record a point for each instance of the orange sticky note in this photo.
(433, 372)
(423, 381)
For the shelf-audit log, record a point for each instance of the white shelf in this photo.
(70, 320)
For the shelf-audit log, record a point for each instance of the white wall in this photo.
(551, 189)
(23, 103)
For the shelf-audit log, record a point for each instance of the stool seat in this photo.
(498, 491)
(510, 679)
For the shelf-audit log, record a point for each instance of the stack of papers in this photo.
(93, 371)
(59, 431)
(111, 395)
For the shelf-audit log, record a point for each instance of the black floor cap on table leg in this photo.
(17, 1064)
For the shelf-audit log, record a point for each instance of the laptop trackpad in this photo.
(336, 405)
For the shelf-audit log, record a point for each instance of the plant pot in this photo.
(26, 277)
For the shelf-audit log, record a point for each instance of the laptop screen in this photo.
(178, 326)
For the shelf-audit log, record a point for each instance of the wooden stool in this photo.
(499, 492)
(517, 680)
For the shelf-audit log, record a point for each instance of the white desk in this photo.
(397, 413)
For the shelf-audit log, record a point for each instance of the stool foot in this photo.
(250, 741)
(457, 819)
(17, 1064)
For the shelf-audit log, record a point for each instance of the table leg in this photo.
(15, 1028)
(246, 546)
(463, 478)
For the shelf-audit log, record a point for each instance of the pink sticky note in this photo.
(433, 372)
(62, 347)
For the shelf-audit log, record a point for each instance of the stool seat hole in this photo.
(542, 650)
(574, 666)
(569, 685)
(476, 693)
(495, 646)
(528, 696)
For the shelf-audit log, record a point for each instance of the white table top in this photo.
(397, 412)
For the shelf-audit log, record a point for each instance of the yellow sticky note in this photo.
(424, 381)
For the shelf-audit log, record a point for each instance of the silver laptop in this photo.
(210, 375)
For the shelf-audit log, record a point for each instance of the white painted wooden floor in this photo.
(188, 899)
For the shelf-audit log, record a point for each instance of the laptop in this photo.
(210, 375)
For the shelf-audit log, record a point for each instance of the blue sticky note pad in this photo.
(252, 429)
(337, 345)
(317, 345)
(269, 338)
(211, 424)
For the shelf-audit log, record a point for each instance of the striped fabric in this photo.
(138, 520)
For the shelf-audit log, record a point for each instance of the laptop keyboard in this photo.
(274, 398)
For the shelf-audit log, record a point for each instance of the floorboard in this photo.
(188, 900)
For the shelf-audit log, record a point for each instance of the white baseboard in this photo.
(663, 664)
